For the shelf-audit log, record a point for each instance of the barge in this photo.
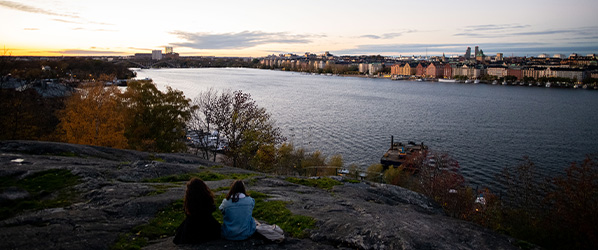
(398, 153)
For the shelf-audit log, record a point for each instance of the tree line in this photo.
(555, 213)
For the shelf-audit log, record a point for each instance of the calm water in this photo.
(484, 127)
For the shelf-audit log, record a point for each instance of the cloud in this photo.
(66, 21)
(388, 35)
(522, 48)
(495, 27)
(31, 9)
(512, 30)
(241, 40)
(30, 29)
(86, 52)
(142, 49)
(99, 30)
(371, 36)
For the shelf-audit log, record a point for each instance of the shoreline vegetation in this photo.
(555, 213)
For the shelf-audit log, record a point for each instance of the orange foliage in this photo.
(93, 116)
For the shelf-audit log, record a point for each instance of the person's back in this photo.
(237, 209)
(199, 225)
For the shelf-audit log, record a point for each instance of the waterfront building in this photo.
(420, 70)
(534, 72)
(409, 69)
(470, 71)
(396, 69)
(156, 54)
(363, 68)
(515, 72)
(435, 70)
(497, 71)
(320, 65)
(448, 70)
(573, 74)
(374, 68)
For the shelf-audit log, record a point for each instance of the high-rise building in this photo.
(468, 53)
(168, 50)
(156, 54)
(476, 51)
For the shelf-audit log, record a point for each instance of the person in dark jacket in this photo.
(199, 225)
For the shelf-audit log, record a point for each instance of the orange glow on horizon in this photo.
(7, 50)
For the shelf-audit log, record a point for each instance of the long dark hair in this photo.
(237, 187)
(198, 197)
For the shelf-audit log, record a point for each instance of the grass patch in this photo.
(160, 189)
(47, 189)
(275, 212)
(163, 225)
(153, 157)
(205, 176)
(353, 181)
(323, 183)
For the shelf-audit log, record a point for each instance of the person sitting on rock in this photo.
(199, 225)
(237, 209)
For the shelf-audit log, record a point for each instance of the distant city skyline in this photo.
(260, 28)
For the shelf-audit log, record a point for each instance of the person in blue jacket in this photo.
(237, 209)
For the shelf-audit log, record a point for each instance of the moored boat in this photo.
(447, 80)
(398, 153)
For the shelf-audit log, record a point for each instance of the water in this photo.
(484, 127)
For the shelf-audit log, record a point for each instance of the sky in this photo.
(262, 27)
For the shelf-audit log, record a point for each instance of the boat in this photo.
(494, 82)
(548, 85)
(476, 81)
(447, 80)
(504, 82)
(468, 81)
(211, 141)
(398, 153)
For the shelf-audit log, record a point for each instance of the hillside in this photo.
(111, 195)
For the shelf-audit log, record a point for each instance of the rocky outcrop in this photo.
(114, 199)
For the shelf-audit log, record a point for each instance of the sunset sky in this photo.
(260, 28)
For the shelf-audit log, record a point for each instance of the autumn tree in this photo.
(93, 116)
(575, 201)
(246, 127)
(155, 121)
(212, 111)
